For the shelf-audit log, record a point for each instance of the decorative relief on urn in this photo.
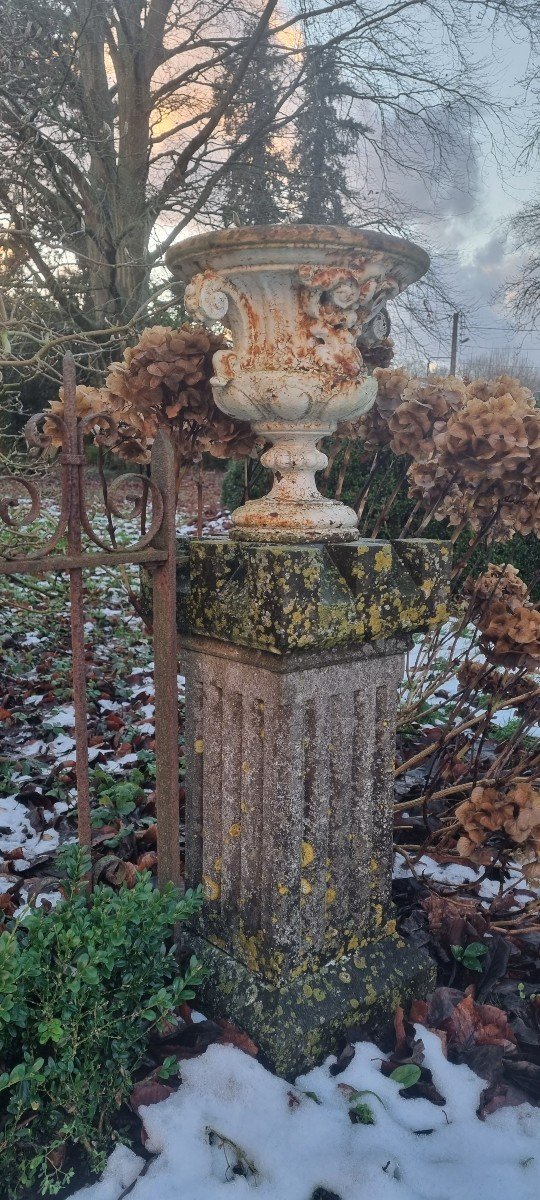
(340, 302)
(295, 299)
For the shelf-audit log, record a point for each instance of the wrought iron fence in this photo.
(64, 551)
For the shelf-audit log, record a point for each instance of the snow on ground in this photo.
(453, 650)
(230, 1112)
(459, 875)
(16, 830)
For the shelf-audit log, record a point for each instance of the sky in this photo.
(464, 221)
(469, 219)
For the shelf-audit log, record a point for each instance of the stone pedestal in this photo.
(292, 657)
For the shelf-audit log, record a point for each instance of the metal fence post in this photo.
(166, 668)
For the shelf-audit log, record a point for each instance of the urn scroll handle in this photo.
(210, 297)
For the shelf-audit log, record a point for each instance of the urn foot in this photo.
(294, 521)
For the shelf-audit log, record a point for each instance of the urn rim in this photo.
(186, 255)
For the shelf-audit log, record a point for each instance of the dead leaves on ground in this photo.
(501, 1048)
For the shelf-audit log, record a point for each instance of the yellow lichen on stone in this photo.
(308, 854)
(283, 889)
(212, 890)
(330, 895)
(383, 559)
(235, 830)
(377, 915)
(198, 745)
(375, 620)
(370, 995)
(305, 887)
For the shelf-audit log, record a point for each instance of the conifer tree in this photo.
(319, 190)
(253, 191)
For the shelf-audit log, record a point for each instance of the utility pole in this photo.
(453, 350)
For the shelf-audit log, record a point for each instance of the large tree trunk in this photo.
(115, 253)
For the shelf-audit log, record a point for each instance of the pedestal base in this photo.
(300, 1020)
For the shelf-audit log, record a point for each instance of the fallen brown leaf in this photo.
(236, 1037)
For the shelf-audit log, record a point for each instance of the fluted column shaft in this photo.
(289, 800)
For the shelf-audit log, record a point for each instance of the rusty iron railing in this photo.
(155, 548)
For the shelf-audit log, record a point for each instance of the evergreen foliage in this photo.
(319, 190)
(253, 192)
(82, 989)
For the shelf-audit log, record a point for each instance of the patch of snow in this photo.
(459, 875)
(523, 894)
(122, 1169)
(293, 1149)
(71, 756)
(61, 744)
(32, 639)
(53, 899)
(503, 716)
(115, 764)
(425, 867)
(144, 688)
(36, 746)
(64, 718)
(19, 832)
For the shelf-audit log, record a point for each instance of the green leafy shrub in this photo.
(81, 988)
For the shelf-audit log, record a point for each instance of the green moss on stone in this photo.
(300, 1020)
(283, 599)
